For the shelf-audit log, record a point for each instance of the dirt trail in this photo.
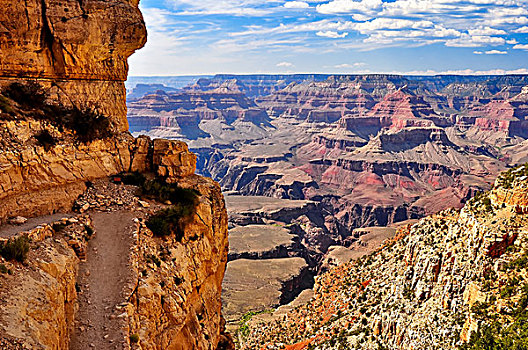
(11, 230)
(101, 281)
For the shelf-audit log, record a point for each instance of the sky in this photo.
(197, 37)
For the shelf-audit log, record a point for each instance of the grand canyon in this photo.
(318, 170)
(256, 211)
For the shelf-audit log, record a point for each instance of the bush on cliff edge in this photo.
(86, 124)
(15, 249)
(174, 219)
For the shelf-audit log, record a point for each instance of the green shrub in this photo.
(6, 107)
(497, 335)
(89, 230)
(29, 94)
(59, 226)
(173, 219)
(86, 124)
(134, 178)
(46, 140)
(161, 191)
(151, 258)
(134, 338)
(15, 249)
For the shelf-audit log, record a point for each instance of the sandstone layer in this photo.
(39, 297)
(77, 49)
(176, 302)
(36, 181)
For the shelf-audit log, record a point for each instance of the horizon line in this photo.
(333, 74)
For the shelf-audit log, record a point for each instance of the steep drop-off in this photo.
(64, 141)
(456, 279)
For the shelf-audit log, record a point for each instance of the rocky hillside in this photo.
(456, 279)
(136, 257)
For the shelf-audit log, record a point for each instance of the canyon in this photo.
(365, 211)
(361, 151)
(453, 280)
(373, 149)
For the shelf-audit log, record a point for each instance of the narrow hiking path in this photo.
(101, 280)
(9, 230)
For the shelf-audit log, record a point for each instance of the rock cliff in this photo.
(77, 49)
(42, 179)
(176, 303)
(64, 142)
(453, 280)
(39, 297)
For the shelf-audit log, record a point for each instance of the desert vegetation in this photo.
(182, 204)
(15, 249)
(23, 101)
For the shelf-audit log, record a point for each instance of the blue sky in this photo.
(192, 37)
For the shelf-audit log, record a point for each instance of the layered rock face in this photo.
(71, 133)
(37, 181)
(77, 49)
(184, 111)
(438, 282)
(176, 304)
(39, 298)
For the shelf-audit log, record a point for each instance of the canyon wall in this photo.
(77, 49)
(75, 53)
(452, 278)
(39, 297)
(177, 304)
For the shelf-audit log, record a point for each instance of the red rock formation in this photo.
(187, 109)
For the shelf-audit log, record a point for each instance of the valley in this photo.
(313, 166)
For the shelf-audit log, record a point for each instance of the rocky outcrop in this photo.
(402, 104)
(36, 181)
(433, 285)
(77, 50)
(39, 297)
(176, 303)
(511, 191)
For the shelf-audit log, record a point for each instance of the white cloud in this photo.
(478, 52)
(512, 41)
(475, 41)
(331, 34)
(523, 30)
(285, 64)
(296, 5)
(224, 7)
(521, 47)
(348, 65)
(497, 21)
(496, 52)
(467, 71)
(486, 31)
(349, 6)
(390, 23)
